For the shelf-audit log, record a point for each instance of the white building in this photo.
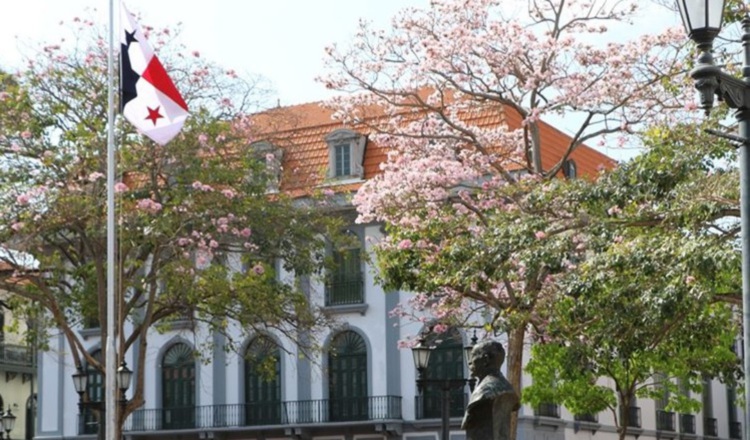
(367, 390)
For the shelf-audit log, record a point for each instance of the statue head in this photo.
(486, 358)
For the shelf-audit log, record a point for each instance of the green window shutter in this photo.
(178, 388)
(262, 382)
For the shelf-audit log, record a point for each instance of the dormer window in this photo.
(569, 169)
(272, 156)
(346, 152)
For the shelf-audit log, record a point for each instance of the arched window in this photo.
(178, 387)
(262, 382)
(95, 392)
(347, 377)
(345, 282)
(446, 362)
(569, 169)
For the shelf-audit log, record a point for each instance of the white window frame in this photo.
(356, 143)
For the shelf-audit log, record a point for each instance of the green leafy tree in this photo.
(650, 308)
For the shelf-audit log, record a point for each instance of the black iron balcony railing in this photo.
(665, 420)
(634, 417)
(12, 355)
(344, 290)
(710, 427)
(273, 413)
(591, 418)
(687, 423)
(548, 410)
(735, 430)
(430, 406)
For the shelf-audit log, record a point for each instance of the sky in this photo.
(281, 40)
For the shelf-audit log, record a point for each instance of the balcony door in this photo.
(262, 382)
(95, 391)
(178, 388)
(347, 378)
(446, 362)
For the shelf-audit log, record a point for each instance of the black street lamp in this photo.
(421, 353)
(123, 378)
(703, 20)
(8, 422)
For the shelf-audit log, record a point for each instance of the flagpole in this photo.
(110, 368)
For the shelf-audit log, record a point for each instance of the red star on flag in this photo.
(153, 114)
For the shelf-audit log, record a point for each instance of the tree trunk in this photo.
(515, 368)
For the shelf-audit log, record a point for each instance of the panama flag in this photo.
(149, 98)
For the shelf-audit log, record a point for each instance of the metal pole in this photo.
(743, 119)
(110, 360)
(445, 400)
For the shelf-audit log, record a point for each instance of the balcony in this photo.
(687, 423)
(735, 430)
(305, 412)
(548, 410)
(345, 290)
(710, 427)
(634, 417)
(589, 418)
(665, 420)
(429, 406)
(17, 358)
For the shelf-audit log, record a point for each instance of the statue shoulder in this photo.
(492, 387)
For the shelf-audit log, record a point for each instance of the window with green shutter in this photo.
(262, 382)
(178, 387)
(347, 378)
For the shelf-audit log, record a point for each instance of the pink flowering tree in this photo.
(458, 191)
(198, 231)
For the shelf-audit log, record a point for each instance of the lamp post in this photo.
(421, 353)
(123, 377)
(703, 20)
(8, 421)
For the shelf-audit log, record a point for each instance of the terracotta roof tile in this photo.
(301, 130)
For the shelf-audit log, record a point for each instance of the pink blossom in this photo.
(540, 235)
(405, 244)
(228, 193)
(183, 241)
(23, 199)
(96, 175)
(689, 279)
(26, 134)
(148, 205)
(202, 187)
(120, 187)
(213, 244)
(613, 211)
(440, 328)
(259, 269)
(245, 232)
(328, 192)
(202, 138)
(17, 226)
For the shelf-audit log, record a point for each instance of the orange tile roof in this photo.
(300, 130)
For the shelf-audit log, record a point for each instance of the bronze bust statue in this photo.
(493, 400)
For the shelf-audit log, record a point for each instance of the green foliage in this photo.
(648, 308)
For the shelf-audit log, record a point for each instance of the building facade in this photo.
(17, 373)
(361, 386)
